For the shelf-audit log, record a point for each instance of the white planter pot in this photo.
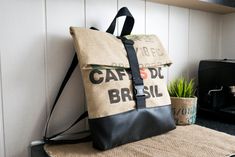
(184, 110)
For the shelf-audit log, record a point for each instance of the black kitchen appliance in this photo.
(216, 88)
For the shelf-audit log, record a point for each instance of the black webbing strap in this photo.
(138, 86)
(49, 139)
(128, 24)
(137, 81)
(73, 141)
(67, 76)
(81, 117)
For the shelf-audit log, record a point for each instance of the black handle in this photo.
(128, 24)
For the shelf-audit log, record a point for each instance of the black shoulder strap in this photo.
(49, 139)
(81, 117)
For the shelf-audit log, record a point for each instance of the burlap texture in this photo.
(100, 48)
(184, 110)
(115, 96)
(104, 65)
(184, 141)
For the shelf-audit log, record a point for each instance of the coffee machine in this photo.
(216, 88)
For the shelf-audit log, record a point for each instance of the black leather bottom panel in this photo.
(112, 131)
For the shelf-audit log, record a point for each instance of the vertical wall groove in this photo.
(145, 27)
(84, 95)
(85, 18)
(220, 35)
(45, 58)
(117, 24)
(189, 12)
(2, 121)
(168, 39)
(2, 106)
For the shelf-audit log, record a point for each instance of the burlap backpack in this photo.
(127, 99)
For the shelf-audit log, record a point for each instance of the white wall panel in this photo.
(178, 41)
(23, 75)
(157, 23)
(204, 31)
(61, 14)
(137, 8)
(100, 13)
(228, 36)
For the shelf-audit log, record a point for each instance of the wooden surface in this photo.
(199, 5)
(184, 141)
(38, 151)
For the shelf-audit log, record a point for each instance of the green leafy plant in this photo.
(182, 88)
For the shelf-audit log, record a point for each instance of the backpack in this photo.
(127, 98)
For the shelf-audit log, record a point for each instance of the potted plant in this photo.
(183, 100)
